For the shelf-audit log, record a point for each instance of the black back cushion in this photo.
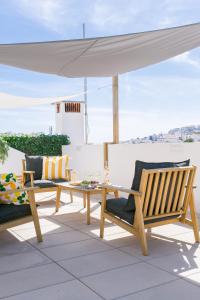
(34, 163)
(139, 166)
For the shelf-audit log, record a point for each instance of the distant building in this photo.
(70, 120)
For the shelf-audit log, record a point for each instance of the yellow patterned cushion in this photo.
(54, 167)
(8, 181)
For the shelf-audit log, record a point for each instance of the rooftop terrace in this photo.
(74, 263)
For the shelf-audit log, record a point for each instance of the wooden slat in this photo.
(188, 189)
(172, 187)
(161, 216)
(148, 193)
(164, 198)
(177, 194)
(169, 169)
(159, 223)
(153, 198)
(180, 202)
(160, 193)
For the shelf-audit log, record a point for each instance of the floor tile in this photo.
(72, 290)
(60, 238)
(98, 262)
(171, 229)
(21, 261)
(194, 278)
(157, 247)
(125, 280)
(67, 251)
(11, 243)
(27, 231)
(32, 278)
(178, 289)
(94, 230)
(182, 264)
(120, 239)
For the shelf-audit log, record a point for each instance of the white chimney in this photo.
(70, 120)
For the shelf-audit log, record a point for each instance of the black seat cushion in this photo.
(43, 183)
(139, 166)
(59, 180)
(34, 163)
(10, 212)
(118, 208)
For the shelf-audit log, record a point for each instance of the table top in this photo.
(78, 188)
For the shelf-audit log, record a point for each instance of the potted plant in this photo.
(3, 150)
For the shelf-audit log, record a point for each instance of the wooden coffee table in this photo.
(86, 192)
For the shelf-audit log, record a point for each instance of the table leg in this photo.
(71, 196)
(88, 208)
(84, 200)
(116, 193)
(58, 194)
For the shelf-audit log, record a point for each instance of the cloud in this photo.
(186, 58)
(49, 13)
(106, 17)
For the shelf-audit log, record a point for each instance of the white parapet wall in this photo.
(122, 159)
(88, 159)
(13, 163)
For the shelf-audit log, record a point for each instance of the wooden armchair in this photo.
(42, 186)
(13, 215)
(164, 197)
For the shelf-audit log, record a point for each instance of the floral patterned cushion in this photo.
(8, 181)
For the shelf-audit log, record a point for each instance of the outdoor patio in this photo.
(74, 263)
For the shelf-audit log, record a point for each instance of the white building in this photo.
(70, 120)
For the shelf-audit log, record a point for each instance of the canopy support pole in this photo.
(115, 110)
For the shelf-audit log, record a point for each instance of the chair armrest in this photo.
(68, 173)
(120, 188)
(18, 190)
(28, 173)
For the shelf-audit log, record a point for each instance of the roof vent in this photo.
(73, 107)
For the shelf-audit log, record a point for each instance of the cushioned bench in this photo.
(32, 177)
(161, 193)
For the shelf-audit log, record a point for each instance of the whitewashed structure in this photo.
(70, 120)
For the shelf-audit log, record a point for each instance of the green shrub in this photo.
(189, 140)
(37, 144)
(3, 150)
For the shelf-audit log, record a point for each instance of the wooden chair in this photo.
(14, 215)
(164, 197)
(41, 188)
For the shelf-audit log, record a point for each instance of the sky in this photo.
(151, 100)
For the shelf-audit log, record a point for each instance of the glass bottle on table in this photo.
(106, 174)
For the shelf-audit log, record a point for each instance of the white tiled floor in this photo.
(73, 263)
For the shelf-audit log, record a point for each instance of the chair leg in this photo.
(84, 200)
(143, 241)
(149, 232)
(140, 226)
(71, 196)
(102, 224)
(102, 221)
(194, 218)
(58, 194)
(35, 217)
(37, 228)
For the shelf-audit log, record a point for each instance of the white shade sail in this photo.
(8, 101)
(106, 56)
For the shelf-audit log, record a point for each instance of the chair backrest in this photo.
(166, 192)
(23, 165)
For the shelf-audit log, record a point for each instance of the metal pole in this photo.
(85, 99)
(115, 110)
